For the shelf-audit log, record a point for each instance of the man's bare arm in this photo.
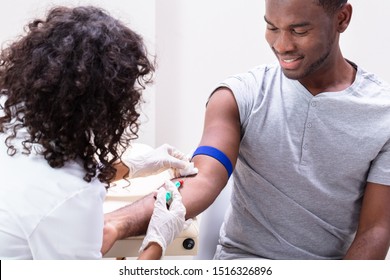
(131, 220)
(222, 131)
(372, 239)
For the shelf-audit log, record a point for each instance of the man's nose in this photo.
(283, 43)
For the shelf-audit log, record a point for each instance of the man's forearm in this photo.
(370, 245)
(131, 220)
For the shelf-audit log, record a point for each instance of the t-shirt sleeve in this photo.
(380, 168)
(246, 89)
(73, 230)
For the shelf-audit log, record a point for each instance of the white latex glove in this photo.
(165, 224)
(158, 160)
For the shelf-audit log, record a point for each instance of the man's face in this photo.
(302, 36)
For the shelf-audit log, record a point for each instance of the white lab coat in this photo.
(48, 213)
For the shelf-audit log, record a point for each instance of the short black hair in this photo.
(331, 6)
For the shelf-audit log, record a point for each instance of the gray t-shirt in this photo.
(303, 164)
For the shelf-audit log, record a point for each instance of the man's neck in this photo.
(332, 79)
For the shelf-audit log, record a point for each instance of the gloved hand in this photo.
(165, 224)
(158, 160)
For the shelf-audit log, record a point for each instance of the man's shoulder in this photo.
(258, 74)
(374, 82)
(266, 69)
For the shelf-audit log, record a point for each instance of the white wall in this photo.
(367, 40)
(199, 43)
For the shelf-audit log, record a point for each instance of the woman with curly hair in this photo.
(70, 95)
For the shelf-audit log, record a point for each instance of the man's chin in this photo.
(292, 74)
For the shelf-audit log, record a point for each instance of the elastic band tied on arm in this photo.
(217, 154)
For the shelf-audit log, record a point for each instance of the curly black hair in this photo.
(74, 82)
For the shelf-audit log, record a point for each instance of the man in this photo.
(310, 142)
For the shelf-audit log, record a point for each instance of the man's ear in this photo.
(344, 15)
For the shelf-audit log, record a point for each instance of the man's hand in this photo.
(110, 235)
